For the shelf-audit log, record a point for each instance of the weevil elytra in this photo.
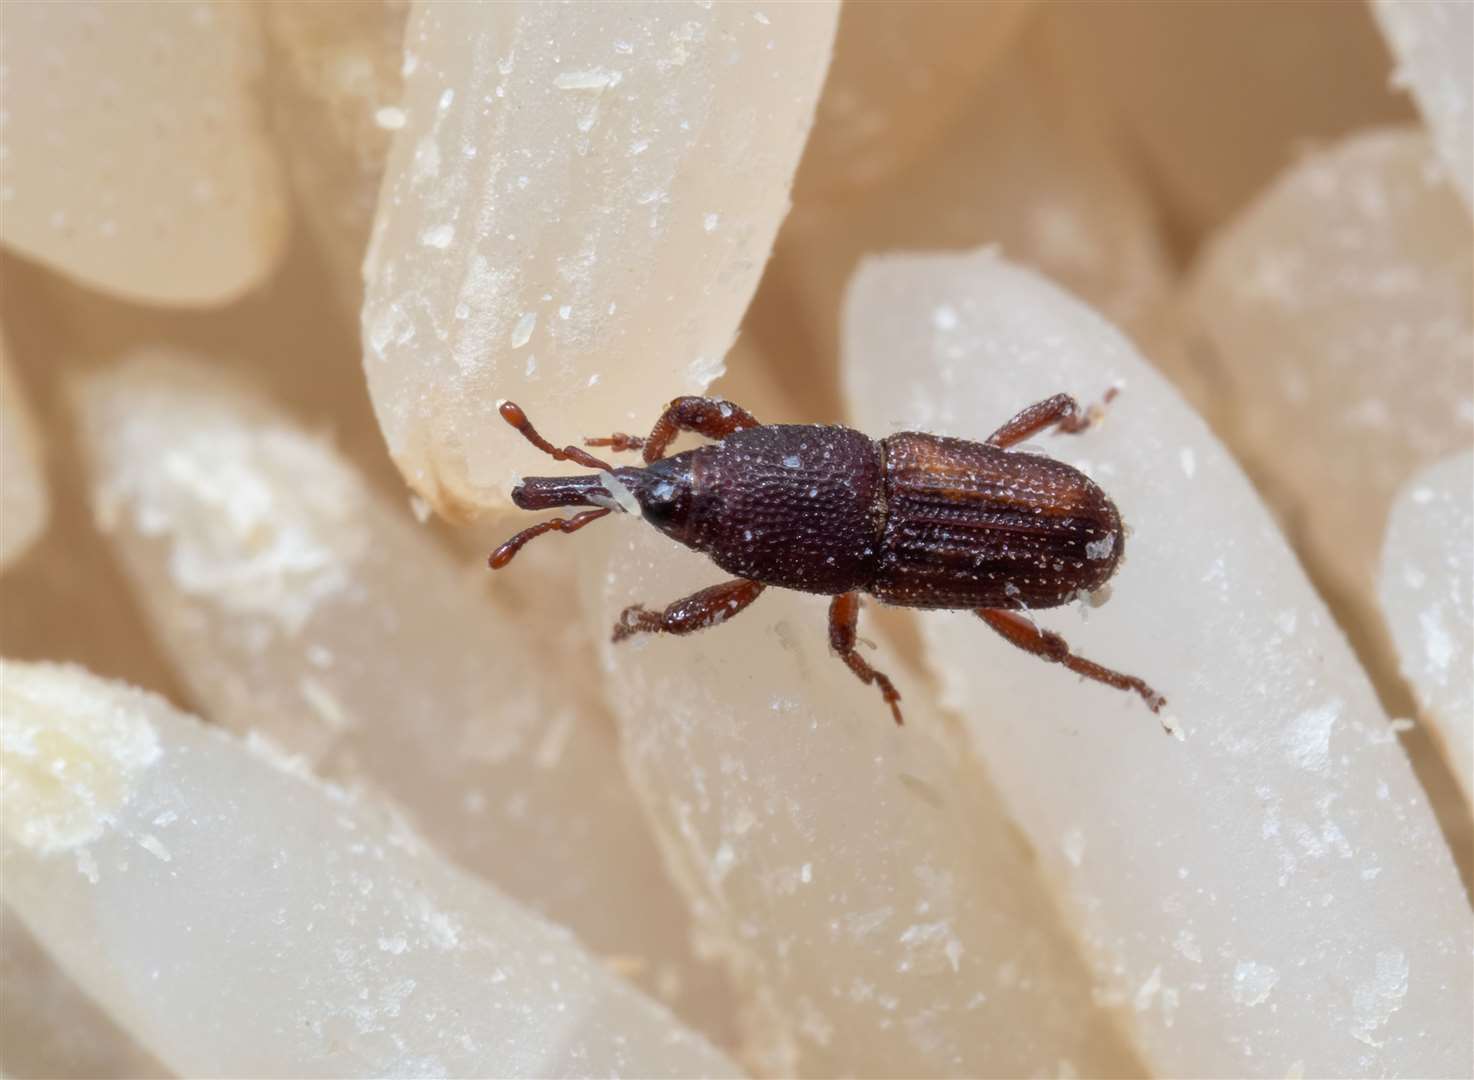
(914, 520)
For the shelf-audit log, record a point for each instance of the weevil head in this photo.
(664, 492)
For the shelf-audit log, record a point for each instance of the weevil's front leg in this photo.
(705, 416)
(709, 607)
(1051, 647)
(844, 619)
(1061, 410)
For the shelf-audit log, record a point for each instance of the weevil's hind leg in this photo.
(503, 555)
(709, 607)
(1061, 410)
(844, 619)
(1051, 647)
(710, 417)
(512, 413)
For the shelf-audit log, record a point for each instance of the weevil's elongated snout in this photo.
(546, 492)
(609, 490)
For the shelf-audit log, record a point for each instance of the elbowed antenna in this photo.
(512, 413)
(503, 555)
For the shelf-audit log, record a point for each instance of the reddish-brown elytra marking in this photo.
(914, 520)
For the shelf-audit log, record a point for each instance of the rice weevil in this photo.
(914, 520)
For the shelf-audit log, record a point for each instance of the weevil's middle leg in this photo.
(1051, 647)
(844, 619)
(710, 417)
(1061, 410)
(709, 607)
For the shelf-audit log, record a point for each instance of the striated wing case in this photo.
(969, 525)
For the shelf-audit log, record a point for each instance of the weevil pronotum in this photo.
(914, 520)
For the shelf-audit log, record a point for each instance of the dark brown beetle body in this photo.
(915, 520)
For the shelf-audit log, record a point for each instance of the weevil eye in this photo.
(660, 503)
(664, 491)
